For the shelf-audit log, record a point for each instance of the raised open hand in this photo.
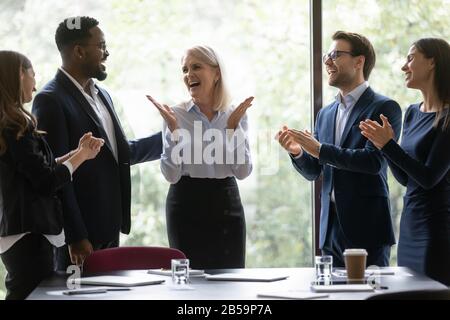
(238, 113)
(166, 112)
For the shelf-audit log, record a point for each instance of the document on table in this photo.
(168, 272)
(257, 277)
(342, 288)
(292, 294)
(367, 273)
(122, 281)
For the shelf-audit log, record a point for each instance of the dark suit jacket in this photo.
(357, 171)
(97, 204)
(29, 179)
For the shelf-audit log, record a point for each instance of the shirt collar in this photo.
(191, 105)
(90, 83)
(353, 95)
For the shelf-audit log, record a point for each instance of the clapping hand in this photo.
(238, 113)
(378, 134)
(288, 143)
(167, 114)
(306, 140)
(90, 146)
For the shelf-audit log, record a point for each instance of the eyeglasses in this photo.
(333, 55)
(101, 45)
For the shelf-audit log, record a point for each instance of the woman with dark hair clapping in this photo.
(422, 161)
(31, 220)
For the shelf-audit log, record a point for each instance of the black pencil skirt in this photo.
(205, 220)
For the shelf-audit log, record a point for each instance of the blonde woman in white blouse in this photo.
(205, 147)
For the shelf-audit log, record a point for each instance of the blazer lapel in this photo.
(85, 106)
(331, 124)
(121, 140)
(115, 119)
(363, 103)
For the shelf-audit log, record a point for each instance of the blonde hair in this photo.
(207, 55)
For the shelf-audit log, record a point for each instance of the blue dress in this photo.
(422, 164)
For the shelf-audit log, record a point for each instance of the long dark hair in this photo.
(13, 116)
(439, 50)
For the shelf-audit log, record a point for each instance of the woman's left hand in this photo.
(238, 113)
(378, 134)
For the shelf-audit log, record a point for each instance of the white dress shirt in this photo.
(7, 242)
(345, 107)
(205, 149)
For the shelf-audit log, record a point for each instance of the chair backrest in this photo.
(413, 295)
(131, 258)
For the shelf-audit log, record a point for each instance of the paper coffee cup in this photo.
(355, 263)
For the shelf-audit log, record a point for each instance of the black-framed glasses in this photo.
(333, 55)
(100, 45)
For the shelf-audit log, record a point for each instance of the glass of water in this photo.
(180, 271)
(324, 266)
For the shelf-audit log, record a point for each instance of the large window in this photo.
(265, 45)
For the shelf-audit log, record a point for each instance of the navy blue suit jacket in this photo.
(357, 171)
(96, 206)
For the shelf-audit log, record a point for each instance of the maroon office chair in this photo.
(131, 258)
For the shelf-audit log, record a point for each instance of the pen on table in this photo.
(91, 291)
(76, 292)
(118, 289)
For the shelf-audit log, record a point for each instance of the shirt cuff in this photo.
(172, 138)
(69, 167)
(299, 155)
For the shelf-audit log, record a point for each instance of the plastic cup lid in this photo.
(355, 252)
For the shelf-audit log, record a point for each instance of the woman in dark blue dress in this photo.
(422, 161)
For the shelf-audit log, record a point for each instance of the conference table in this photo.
(390, 280)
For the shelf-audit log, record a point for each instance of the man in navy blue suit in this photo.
(96, 206)
(355, 210)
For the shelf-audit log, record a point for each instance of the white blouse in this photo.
(205, 149)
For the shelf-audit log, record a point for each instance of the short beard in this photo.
(96, 73)
(340, 81)
(100, 75)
